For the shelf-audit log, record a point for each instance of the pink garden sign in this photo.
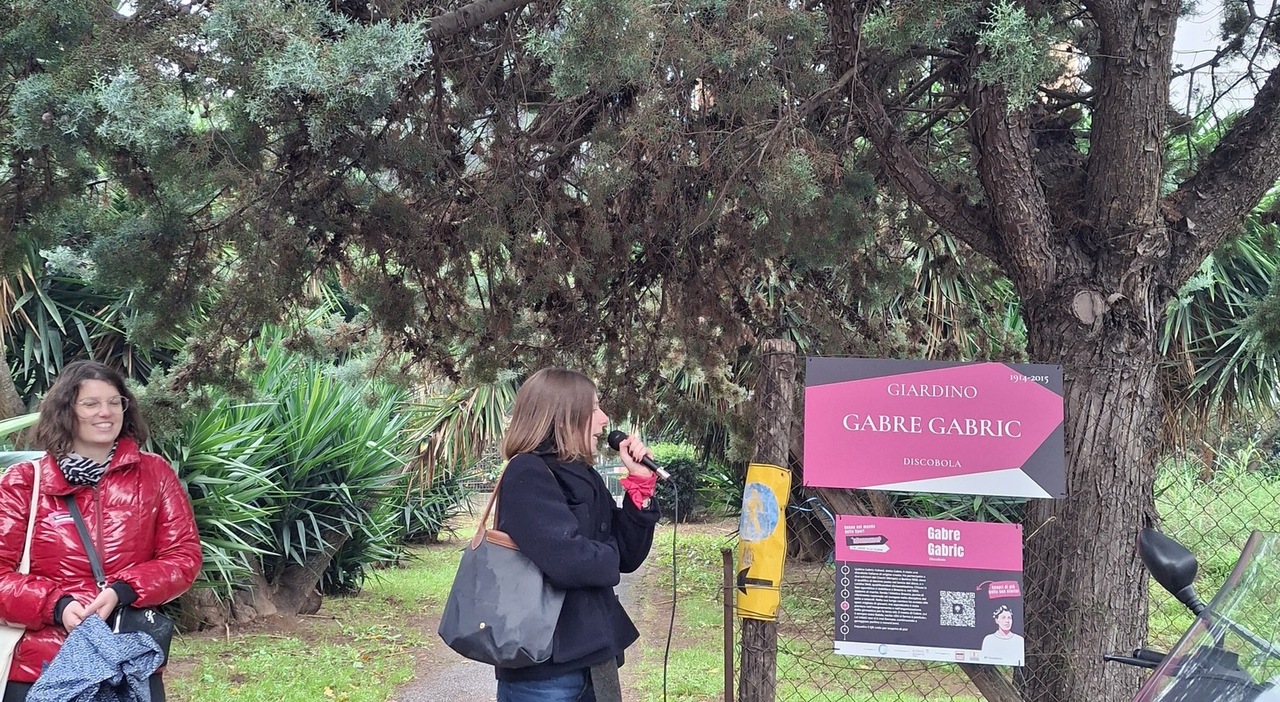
(927, 426)
(922, 589)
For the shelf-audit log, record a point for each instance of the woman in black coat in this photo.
(557, 510)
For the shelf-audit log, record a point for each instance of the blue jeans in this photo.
(570, 687)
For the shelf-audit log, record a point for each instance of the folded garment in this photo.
(97, 665)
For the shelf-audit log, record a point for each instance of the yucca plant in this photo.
(51, 314)
(296, 489)
(456, 436)
(975, 508)
(376, 544)
(224, 456)
(462, 426)
(1215, 369)
(969, 310)
(429, 506)
(341, 454)
(9, 427)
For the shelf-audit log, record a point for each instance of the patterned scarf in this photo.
(79, 470)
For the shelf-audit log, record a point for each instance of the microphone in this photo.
(615, 440)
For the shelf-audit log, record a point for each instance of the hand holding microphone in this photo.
(615, 442)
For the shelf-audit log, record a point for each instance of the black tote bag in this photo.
(500, 610)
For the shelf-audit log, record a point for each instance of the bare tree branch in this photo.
(1211, 205)
(1216, 60)
(470, 16)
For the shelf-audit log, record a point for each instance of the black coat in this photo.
(563, 518)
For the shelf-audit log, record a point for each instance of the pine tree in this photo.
(641, 186)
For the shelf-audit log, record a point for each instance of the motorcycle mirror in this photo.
(1171, 564)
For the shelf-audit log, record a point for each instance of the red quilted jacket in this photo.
(141, 520)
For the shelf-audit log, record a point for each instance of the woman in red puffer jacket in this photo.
(136, 511)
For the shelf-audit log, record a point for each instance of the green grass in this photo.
(695, 669)
(276, 668)
(421, 583)
(359, 649)
(1214, 519)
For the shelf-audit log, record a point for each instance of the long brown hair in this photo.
(553, 403)
(55, 430)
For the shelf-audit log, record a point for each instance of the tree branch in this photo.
(1230, 47)
(470, 16)
(1006, 166)
(1211, 205)
(970, 224)
(1129, 109)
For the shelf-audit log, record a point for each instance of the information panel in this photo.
(926, 426)
(923, 589)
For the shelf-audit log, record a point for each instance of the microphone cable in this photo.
(671, 625)
(615, 439)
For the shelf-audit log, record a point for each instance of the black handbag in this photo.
(500, 610)
(147, 620)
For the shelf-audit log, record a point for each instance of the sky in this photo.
(1196, 41)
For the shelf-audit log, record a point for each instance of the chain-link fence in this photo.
(1210, 510)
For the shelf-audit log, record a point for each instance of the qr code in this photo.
(956, 608)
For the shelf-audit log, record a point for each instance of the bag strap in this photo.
(481, 529)
(87, 540)
(484, 516)
(25, 566)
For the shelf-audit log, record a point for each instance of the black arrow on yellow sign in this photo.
(744, 581)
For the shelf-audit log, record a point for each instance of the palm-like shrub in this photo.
(9, 427)
(680, 463)
(432, 499)
(51, 313)
(297, 490)
(456, 434)
(224, 457)
(338, 454)
(707, 488)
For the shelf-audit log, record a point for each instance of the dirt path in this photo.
(457, 681)
(443, 676)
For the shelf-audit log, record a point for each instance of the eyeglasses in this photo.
(116, 404)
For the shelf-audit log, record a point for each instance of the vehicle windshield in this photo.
(1228, 655)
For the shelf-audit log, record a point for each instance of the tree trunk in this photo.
(255, 601)
(775, 402)
(991, 682)
(11, 404)
(198, 609)
(296, 589)
(1084, 580)
(1094, 250)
